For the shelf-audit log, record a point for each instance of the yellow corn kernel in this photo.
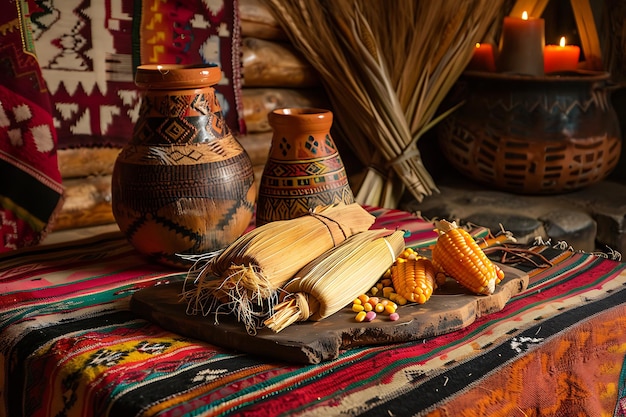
(457, 254)
(360, 316)
(400, 300)
(499, 274)
(357, 308)
(390, 308)
(387, 291)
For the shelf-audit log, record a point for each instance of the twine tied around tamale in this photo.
(328, 222)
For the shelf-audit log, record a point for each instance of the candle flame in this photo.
(562, 41)
(525, 15)
(477, 45)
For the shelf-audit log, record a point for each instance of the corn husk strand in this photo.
(333, 280)
(245, 279)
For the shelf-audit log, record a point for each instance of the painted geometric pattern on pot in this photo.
(181, 119)
(174, 130)
(166, 131)
(294, 188)
(171, 105)
(292, 184)
(290, 206)
(216, 150)
(147, 188)
(317, 167)
(207, 104)
(315, 147)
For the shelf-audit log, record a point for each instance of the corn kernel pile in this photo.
(382, 298)
(367, 307)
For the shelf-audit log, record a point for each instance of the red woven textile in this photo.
(30, 189)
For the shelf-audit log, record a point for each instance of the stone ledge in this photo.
(593, 218)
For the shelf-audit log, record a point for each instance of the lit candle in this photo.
(521, 47)
(560, 58)
(482, 59)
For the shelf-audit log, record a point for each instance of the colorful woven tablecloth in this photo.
(70, 346)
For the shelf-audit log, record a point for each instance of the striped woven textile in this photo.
(70, 346)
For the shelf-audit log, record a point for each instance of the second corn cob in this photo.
(458, 255)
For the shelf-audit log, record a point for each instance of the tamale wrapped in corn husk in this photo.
(245, 278)
(331, 281)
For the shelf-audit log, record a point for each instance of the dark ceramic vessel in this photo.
(534, 135)
(183, 184)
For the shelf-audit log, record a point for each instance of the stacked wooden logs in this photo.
(274, 76)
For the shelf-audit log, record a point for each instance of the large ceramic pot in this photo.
(183, 184)
(304, 169)
(533, 135)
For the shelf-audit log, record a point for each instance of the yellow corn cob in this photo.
(458, 255)
(414, 278)
(333, 280)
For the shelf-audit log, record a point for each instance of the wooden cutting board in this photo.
(313, 342)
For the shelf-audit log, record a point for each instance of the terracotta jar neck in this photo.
(301, 119)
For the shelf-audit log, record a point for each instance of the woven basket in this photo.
(533, 135)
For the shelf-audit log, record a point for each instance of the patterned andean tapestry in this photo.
(88, 51)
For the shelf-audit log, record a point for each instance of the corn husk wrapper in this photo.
(331, 281)
(246, 278)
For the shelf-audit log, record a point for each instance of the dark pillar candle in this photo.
(521, 50)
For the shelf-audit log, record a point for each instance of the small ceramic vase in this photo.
(304, 169)
(183, 184)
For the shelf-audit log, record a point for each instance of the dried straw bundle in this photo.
(331, 281)
(246, 277)
(387, 66)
